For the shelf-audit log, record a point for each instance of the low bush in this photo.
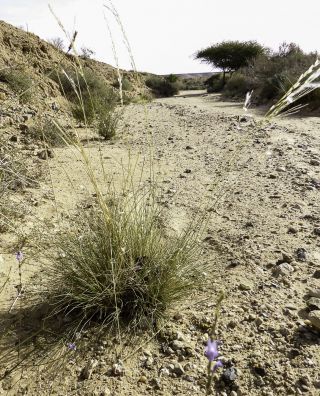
(108, 124)
(126, 85)
(19, 81)
(89, 94)
(273, 73)
(116, 264)
(162, 87)
(214, 83)
(238, 85)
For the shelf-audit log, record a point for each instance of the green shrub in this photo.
(238, 85)
(162, 87)
(89, 94)
(126, 85)
(108, 123)
(19, 81)
(214, 83)
(115, 263)
(274, 72)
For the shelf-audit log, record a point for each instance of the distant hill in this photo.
(193, 75)
(196, 75)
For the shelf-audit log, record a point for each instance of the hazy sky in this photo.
(165, 33)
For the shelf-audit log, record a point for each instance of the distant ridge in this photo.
(194, 75)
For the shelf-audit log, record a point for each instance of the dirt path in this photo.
(262, 243)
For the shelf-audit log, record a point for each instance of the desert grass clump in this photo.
(19, 81)
(117, 266)
(51, 133)
(108, 124)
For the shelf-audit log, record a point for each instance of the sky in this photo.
(164, 34)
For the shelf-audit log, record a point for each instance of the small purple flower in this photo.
(217, 365)
(19, 256)
(72, 346)
(211, 351)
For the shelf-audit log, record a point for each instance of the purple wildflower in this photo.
(19, 256)
(211, 351)
(217, 365)
(72, 346)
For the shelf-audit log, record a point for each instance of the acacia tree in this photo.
(229, 56)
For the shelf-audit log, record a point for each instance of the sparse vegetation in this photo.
(271, 74)
(58, 43)
(49, 132)
(162, 87)
(19, 81)
(86, 53)
(92, 99)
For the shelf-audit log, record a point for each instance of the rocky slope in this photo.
(261, 244)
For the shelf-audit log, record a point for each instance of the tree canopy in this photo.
(229, 56)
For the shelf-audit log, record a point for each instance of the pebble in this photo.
(178, 369)
(314, 318)
(143, 379)
(314, 293)
(229, 375)
(105, 392)
(315, 162)
(316, 231)
(301, 254)
(283, 269)
(245, 286)
(314, 303)
(316, 274)
(88, 369)
(118, 369)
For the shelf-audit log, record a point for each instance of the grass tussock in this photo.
(116, 264)
(51, 133)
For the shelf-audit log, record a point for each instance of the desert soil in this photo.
(259, 184)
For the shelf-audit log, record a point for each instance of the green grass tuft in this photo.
(116, 264)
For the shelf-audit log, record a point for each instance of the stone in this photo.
(314, 293)
(314, 162)
(301, 254)
(283, 269)
(24, 128)
(314, 303)
(178, 369)
(245, 286)
(155, 383)
(118, 369)
(2, 96)
(314, 318)
(316, 231)
(143, 379)
(43, 154)
(88, 369)
(229, 375)
(149, 362)
(105, 392)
